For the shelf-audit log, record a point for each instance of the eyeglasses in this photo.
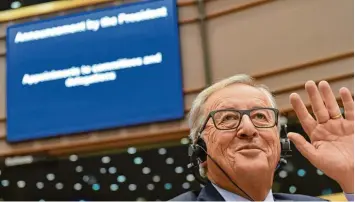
(228, 119)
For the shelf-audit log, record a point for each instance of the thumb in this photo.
(303, 146)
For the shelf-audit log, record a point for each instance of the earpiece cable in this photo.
(250, 198)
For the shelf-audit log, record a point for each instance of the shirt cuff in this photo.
(350, 197)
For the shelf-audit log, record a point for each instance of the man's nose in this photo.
(246, 128)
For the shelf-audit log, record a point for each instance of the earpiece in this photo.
(285, 143)
(197, 153)
(199, 149)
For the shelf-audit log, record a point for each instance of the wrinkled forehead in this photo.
(237, 96)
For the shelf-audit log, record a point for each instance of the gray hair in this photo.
(197, 116)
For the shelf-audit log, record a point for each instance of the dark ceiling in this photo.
(6, 4)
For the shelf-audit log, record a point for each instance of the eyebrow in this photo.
(261, 107)
(234, 108)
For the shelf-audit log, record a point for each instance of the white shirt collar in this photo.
(229, 196)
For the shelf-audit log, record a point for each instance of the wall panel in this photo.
(3, 30)
(187, 12)
(2, 129)
(148, 132)
(2, 47)
(192, 57)
(2, 88)
(189, 98)
(317, 72)
(218, 5)
(279, 34)
(283, 99)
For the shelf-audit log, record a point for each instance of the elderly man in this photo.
(234, 124)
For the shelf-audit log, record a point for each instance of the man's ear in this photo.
(204, 164)
(203, 169)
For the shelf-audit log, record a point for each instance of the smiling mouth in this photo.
(246, 148)
(249, 152)
(249, 149)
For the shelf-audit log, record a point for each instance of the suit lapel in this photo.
(209, 193)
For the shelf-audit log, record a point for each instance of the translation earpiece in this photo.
(285, 143)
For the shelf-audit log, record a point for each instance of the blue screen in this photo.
(95, 70)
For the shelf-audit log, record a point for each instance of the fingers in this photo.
(348, 103)
(329, 99)
(303, 146)
(319, 110)
(306, 120)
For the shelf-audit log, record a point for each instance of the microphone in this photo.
(282, 162)
(190, 165)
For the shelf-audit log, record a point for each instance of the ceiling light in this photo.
(15, 4)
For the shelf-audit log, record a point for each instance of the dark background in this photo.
(302, 177)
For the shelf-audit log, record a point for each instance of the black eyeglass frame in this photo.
(242, 113)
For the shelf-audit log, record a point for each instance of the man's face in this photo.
(245, 149)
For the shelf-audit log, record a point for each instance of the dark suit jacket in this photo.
(209, 193)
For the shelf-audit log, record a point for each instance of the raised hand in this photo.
(332, 136)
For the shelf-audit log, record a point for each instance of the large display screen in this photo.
(114, 67)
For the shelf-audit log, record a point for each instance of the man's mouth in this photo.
(249, 147)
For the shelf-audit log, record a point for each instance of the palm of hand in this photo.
(333, 142)
(332, 137)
